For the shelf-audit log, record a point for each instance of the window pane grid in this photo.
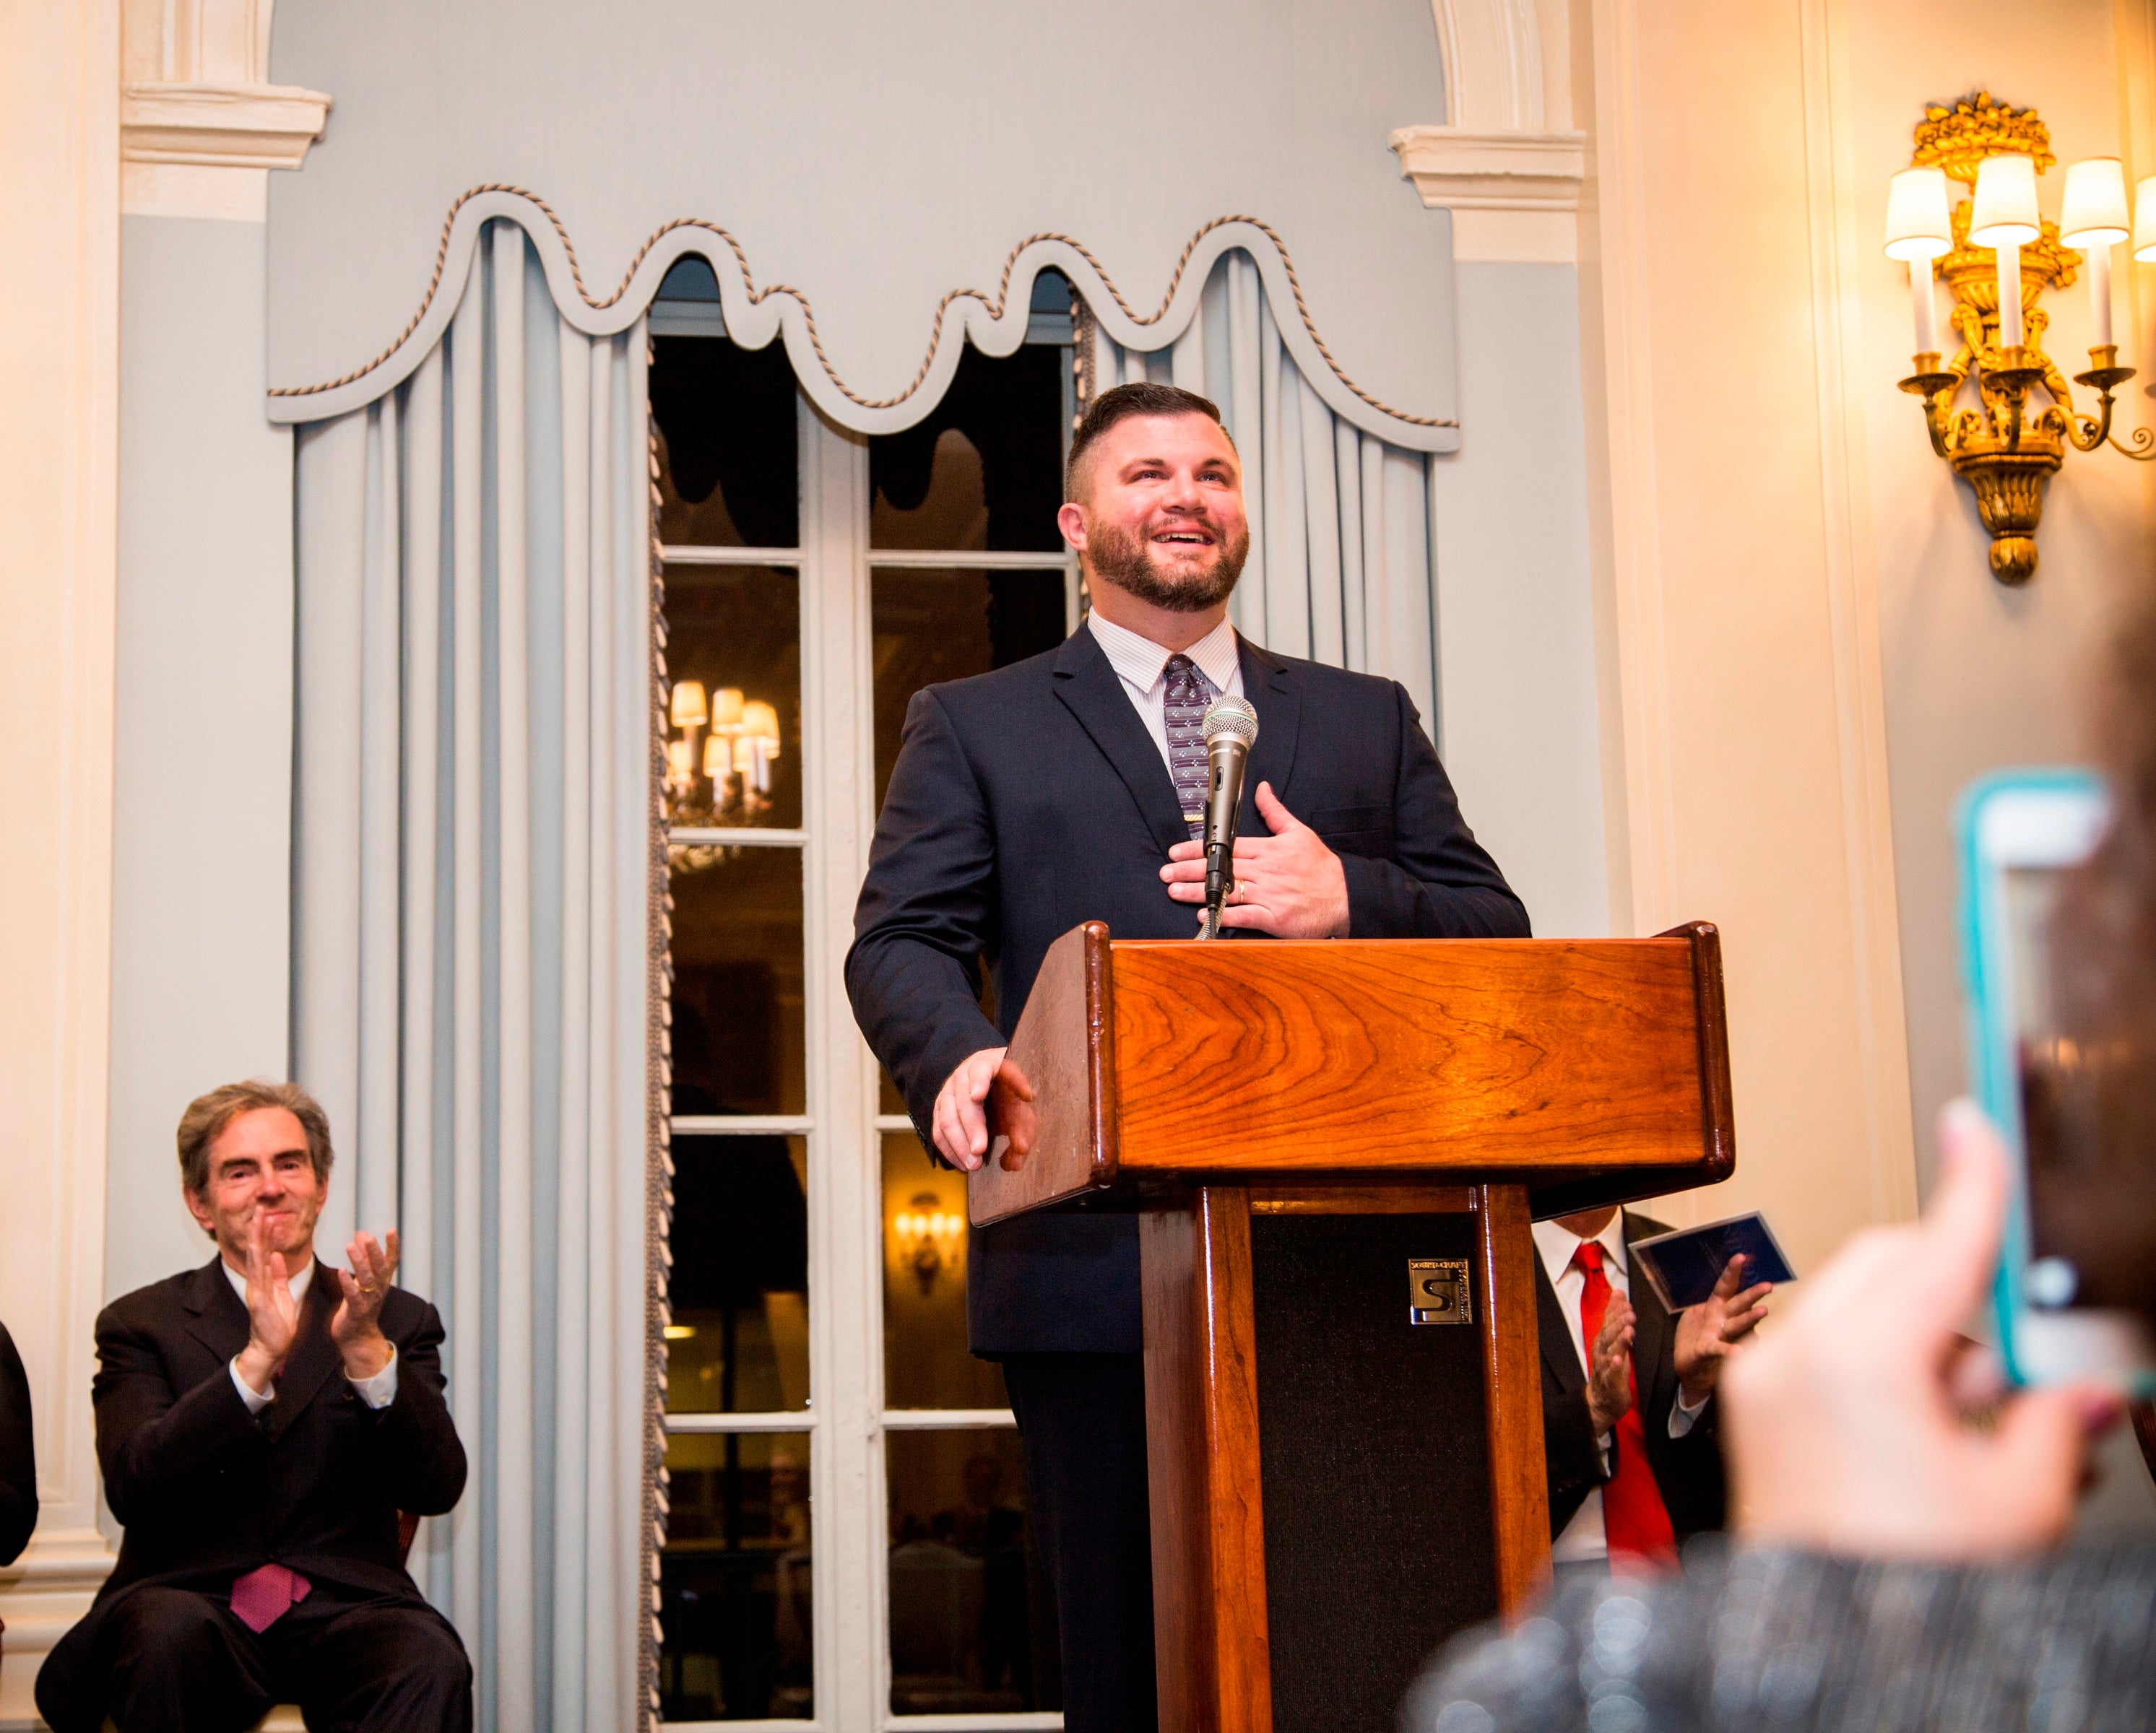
(690, 554)
(715, 836)
(789, 1420)
(969, 1521)
(707, 1124)
(966, 560)
(945, 1420)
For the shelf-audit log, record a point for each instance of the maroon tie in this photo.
(265, 1595)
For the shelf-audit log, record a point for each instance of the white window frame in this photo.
(846, 1421)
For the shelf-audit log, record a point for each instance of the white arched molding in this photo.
(994, 323)
(201, 125)
(1508, 164)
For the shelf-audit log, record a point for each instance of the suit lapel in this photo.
(217, 1317)
(1088, 686)
(1276, 694)
(1652, 1339)
(313, 1355)
(1555, 1335)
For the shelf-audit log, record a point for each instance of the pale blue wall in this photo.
(203, 728)
(1515, 635)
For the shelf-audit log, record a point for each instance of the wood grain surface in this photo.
(1211, 1641)
(1065, 1043)
(1354, 1200)
(1512, 1387)
(1390, 1054)
(1716, 1160)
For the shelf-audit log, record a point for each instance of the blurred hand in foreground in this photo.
(1852, 1429)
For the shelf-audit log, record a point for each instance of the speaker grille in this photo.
(1374, 1462)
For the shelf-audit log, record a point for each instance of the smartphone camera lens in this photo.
(2050, 1283)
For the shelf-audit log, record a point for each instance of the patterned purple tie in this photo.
(1188, 694)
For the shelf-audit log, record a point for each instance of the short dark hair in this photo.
(207, 1115)
(1142, 398)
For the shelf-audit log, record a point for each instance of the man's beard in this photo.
(1127, 561)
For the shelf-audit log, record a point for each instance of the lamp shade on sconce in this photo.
(2094, 212)
(2144, 221)
(760, 721)
(687, 708)
(2005, 212)
(726, 701)
(1917, 222)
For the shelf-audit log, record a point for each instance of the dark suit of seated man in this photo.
(260, 1422)
(1628, 1419)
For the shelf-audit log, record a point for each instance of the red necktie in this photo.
(1634, 1518)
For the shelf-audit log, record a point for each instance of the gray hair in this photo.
(207, 1115)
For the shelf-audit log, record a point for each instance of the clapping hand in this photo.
(273, 1314)
(1707, 1332)
(1609, 1383)
(356, 1327)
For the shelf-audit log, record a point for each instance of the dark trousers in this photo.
(175, 1660)
(1083, 1419)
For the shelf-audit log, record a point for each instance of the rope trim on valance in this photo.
(999, 331)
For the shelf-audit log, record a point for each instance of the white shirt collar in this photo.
(1141, 662)
(1557, 1243)
(301, 1280)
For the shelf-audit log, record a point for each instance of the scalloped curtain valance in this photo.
(874, 185)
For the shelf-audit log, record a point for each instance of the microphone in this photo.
(1231, 729)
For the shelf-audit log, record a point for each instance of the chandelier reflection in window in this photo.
(727, 782)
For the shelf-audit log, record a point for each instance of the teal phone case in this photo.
(1994, 1074)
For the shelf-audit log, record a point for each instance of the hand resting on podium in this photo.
(987, 1096)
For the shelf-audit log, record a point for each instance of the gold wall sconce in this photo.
(1997, 254)
(928, 1236)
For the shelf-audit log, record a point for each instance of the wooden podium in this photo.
(1338, 1148)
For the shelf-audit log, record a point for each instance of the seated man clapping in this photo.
(261, 1421)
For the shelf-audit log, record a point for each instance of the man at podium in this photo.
(1069, 788)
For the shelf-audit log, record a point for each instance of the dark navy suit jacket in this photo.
(1027, 801)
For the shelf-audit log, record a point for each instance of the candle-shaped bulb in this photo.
(1918, 230)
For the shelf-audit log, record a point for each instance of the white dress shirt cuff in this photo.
(256, 1400)
(377, 1392)
(380, 1391)
(1682, 1414)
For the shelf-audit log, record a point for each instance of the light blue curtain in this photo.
(469, 948)
(1342, 566)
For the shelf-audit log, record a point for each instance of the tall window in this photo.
(847, 1541)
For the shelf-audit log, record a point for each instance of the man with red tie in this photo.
(1628, 1422)
(262, 1421)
